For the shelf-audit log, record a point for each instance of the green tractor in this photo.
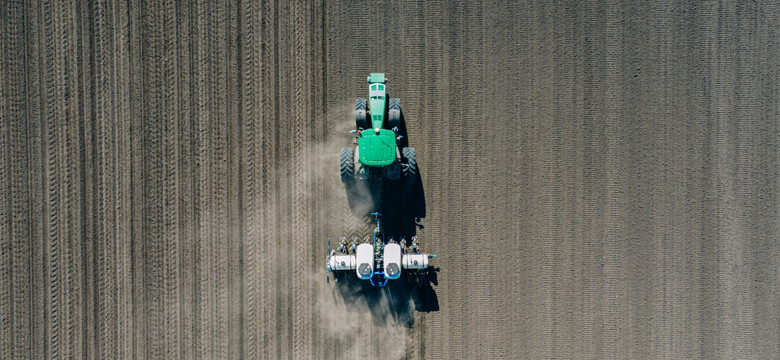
(378, 159)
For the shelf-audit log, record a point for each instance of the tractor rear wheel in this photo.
(360, 114)
(347, 165)
(394, 113)
(410, 168)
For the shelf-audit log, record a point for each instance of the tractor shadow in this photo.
(403, 207)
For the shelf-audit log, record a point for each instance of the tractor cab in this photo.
(377, 99)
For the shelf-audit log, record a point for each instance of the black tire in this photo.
(347, 165)
(410, 168)
(394, 113)
(361, 121)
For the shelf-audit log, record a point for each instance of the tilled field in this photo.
(598, 180)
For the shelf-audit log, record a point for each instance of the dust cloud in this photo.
(361, 320)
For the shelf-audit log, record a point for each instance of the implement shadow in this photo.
(397, 301)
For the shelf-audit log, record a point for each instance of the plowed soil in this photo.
(600, 180)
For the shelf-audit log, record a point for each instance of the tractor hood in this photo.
(377, 148)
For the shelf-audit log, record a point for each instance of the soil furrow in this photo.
(6, 282)
(301, 190)
(17, 230)
(183, 108)
(269, 159)
(250, 95)
(171, 182)
(234, 142)
(201, 116)
(55, 179)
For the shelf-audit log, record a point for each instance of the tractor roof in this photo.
(377, 78)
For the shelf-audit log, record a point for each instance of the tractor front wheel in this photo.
(360, 114)
(394, 113)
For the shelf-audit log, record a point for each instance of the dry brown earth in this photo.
(600, 180)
